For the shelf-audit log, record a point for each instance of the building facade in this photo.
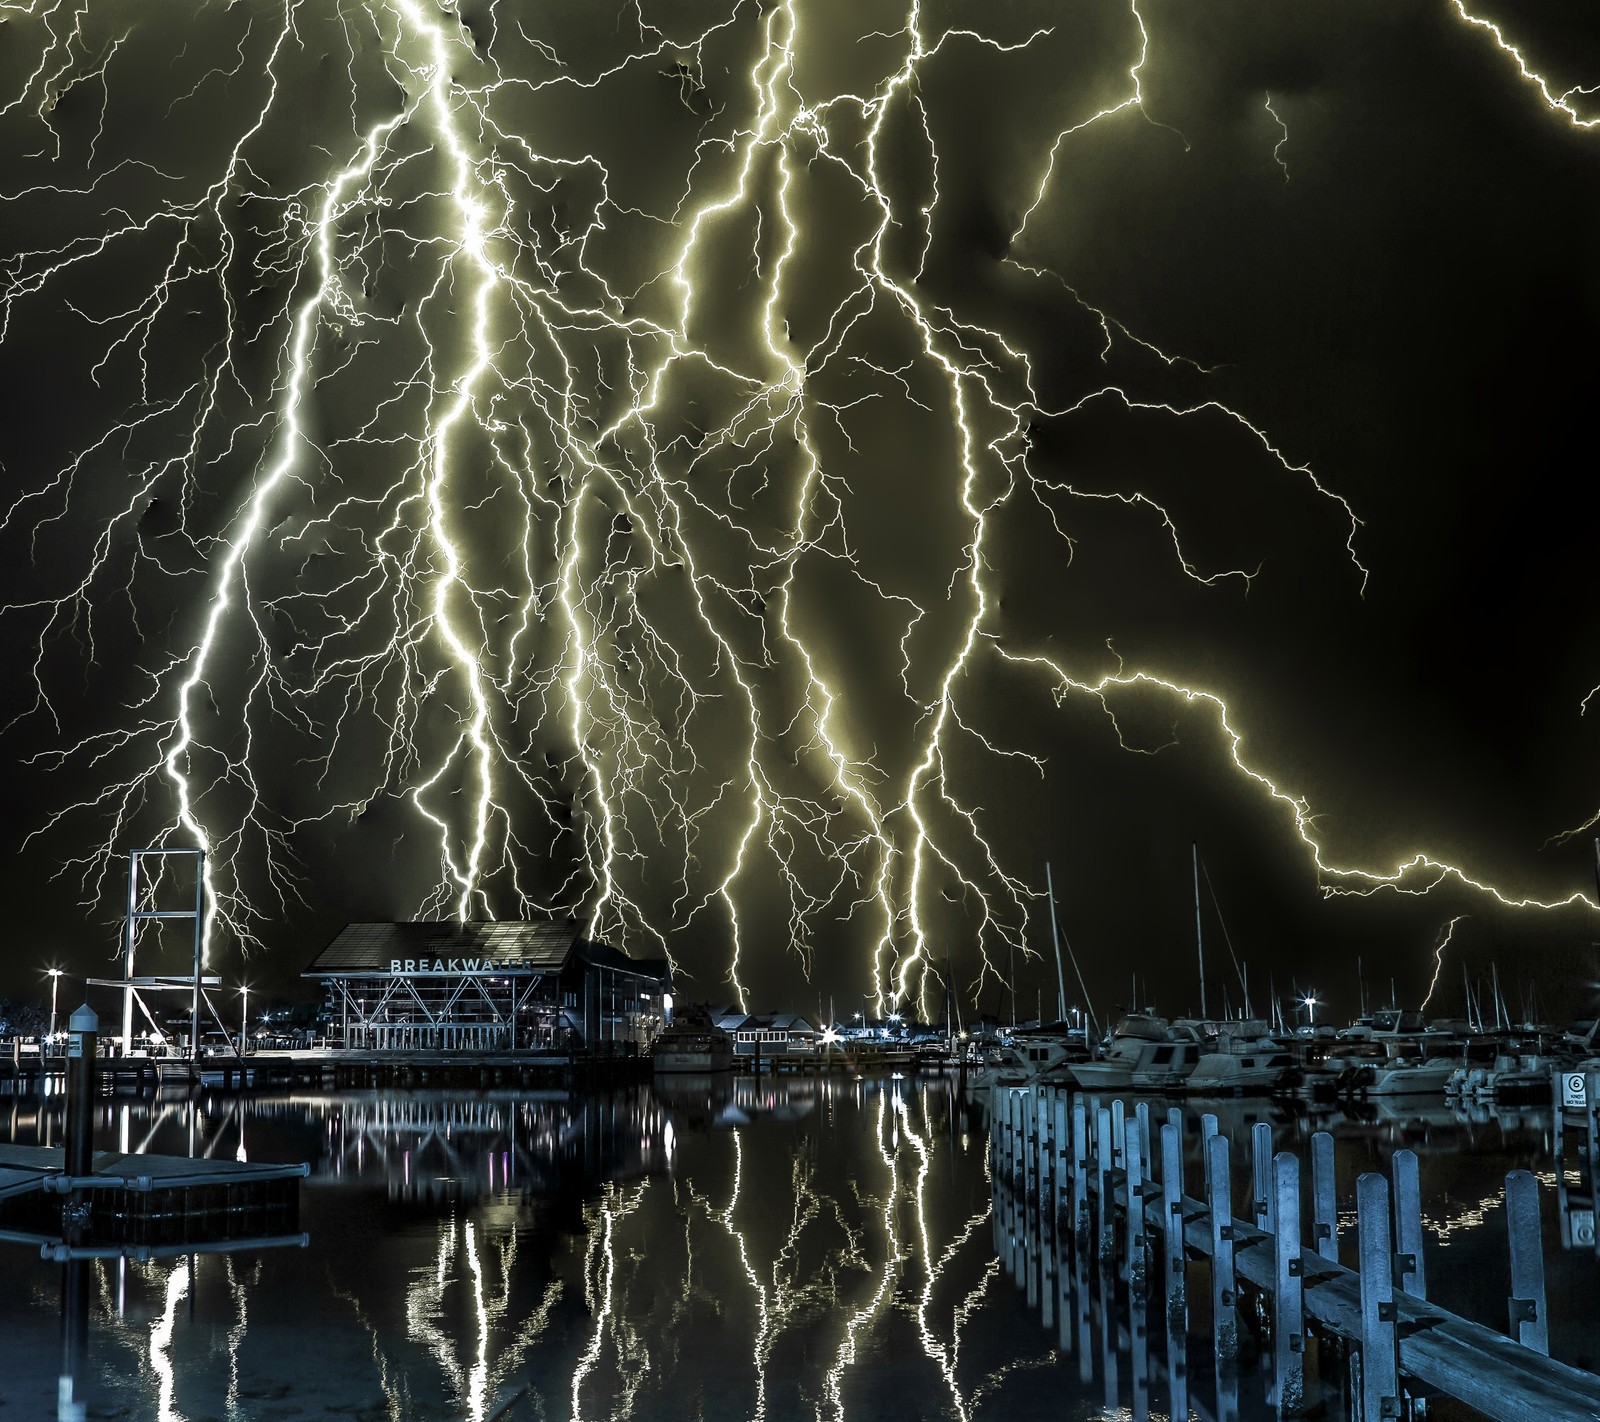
(488, 986)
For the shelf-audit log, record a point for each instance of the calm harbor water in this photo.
(750, 1249)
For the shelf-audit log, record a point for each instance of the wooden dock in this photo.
(331, 1069)
(1095, 1219)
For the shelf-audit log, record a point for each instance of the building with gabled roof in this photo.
(488, 986)
(767, 1034)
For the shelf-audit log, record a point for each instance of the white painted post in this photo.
(1177, 1303)
(1224, 1295)
(1410, 1275)
(1324, 1198)
(1138, 1272)
(1380, 1372)
(1262, 1197)
(1529, 1324)
(1288, 1304)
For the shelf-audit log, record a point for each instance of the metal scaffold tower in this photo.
(144, 884)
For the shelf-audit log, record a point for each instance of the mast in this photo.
(1199, 936)
(1055, 937)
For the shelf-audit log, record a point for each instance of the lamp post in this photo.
(55, 984)
(244, 1018)
(1309, 1002)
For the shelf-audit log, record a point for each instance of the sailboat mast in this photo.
(1055, 937)
(1199, 936)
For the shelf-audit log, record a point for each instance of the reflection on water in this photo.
(705, 1249)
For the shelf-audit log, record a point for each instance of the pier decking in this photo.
(329, 1069)
(138, 1204)
(1094, 1220)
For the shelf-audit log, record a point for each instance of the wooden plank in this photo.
(1483, 1369)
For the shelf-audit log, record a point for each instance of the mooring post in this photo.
(1380, 1371)
(1135, 1183)
(1046, 1209)
(1105, 1239)
(1324, 1198)
(82, 1046)
(1224, 1295)
(1141, 1115)
(1177, 1302)
(1125, 1145)
(1288, 1305)
(1409, 1274)
(1032, 1168)
(1081, 1234)
(1138, 1276)
(1062, 1209)
(1529, 1325)
(1208, 1133)
(1019, 1194)
(1262, 1194)
(1106, 1249)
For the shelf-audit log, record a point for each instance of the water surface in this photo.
(748, 1249)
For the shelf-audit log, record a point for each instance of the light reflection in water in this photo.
(713, 1250)
(161, 1344)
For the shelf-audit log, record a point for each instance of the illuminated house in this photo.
(771, 1034)
(487, 987)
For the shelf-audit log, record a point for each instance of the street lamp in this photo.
(244, 1018)
(55, 984)
(1309, 1002)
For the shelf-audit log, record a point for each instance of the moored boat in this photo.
(692, 1044)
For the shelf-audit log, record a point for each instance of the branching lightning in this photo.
(483, 490)
(1445, 935)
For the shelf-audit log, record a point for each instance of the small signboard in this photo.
(1573, 1092)
(74, 1044)
(1583, 1229)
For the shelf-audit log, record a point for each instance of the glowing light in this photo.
(542, 543)
(1445, 936)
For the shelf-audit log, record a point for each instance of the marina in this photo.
(867, 1245)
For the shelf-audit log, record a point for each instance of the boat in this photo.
(1027, 1057)
(1242, 1059)
(1136, 1044)
(691, 1044)
(936, 1057)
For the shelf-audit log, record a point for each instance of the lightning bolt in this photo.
(1445, 935)
(1561, 103)
(463, 484)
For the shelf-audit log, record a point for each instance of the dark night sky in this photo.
(1280, 393)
